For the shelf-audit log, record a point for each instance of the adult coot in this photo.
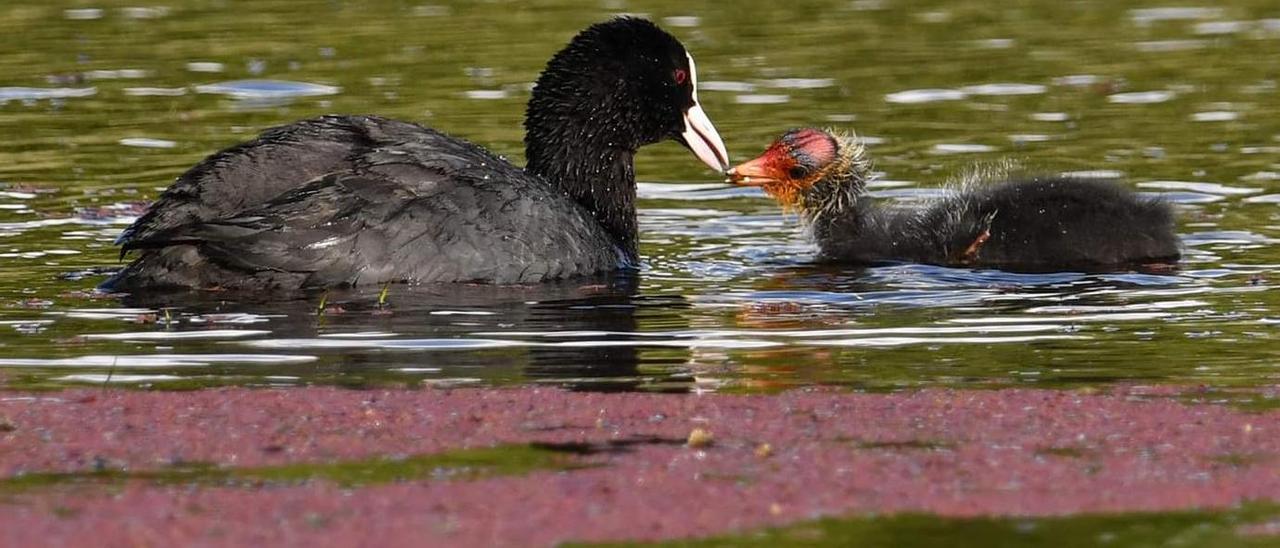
(346, 200)
(1041, 224)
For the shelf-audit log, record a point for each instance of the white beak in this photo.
(702, 139)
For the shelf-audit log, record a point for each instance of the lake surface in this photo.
(102, 104)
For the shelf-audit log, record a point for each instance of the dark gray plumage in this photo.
(401, 203)
(1019, 224)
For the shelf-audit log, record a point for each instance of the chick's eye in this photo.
(680, 76)
(798, 172)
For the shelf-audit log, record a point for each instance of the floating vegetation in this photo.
(1224, 528)
(463, 464)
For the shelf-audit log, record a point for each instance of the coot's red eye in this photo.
(680, 76)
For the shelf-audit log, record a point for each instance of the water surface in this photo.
(102, 104)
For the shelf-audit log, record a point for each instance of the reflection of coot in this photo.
(1031, 224)
(349, 200)
(442, 313)
(578, 363)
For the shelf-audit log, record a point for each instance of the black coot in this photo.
(1039, 224)
(347, 200)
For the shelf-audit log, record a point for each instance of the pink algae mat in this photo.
(765, 460)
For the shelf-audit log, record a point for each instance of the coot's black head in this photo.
(807, 166)
(624, 83)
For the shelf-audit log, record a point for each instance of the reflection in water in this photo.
(1179, 99)
(362, 334)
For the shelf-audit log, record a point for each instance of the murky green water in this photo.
(1183, 101)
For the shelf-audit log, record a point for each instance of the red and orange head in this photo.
(800, 160)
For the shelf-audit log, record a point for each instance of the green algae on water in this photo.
(906, 445)
(1220, 529)
(463, 464)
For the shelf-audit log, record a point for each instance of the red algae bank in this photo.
(236, 467)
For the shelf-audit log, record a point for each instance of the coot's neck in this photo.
(576, 138)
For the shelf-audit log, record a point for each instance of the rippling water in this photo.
(102, 104)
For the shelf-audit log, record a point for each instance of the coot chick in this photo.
(347, 200)
(1030, 224)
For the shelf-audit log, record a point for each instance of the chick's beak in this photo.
(753, 173)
